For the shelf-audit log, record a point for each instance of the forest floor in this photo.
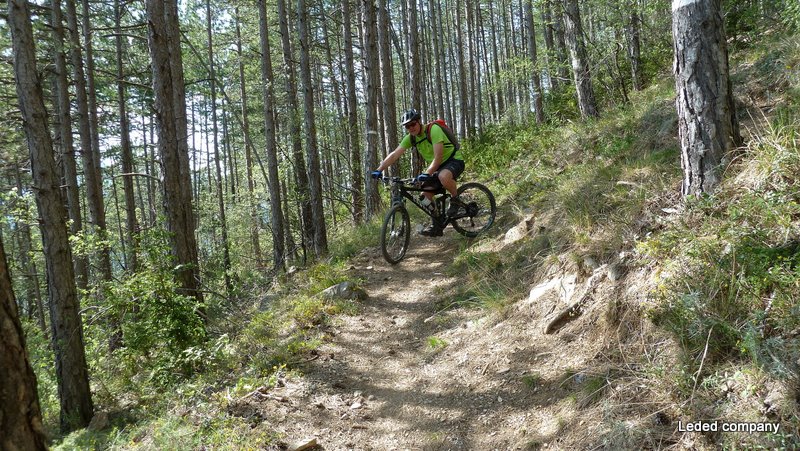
(408, 373)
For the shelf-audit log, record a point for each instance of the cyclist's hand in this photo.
(422, 178)
(376, 174)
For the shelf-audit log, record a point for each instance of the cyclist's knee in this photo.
(445, 175)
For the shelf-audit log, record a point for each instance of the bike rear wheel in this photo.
(395, 234)
(481, 209)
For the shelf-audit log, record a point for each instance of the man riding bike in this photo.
(445, 162)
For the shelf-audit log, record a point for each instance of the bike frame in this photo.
(401, 192)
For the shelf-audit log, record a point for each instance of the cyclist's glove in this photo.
(422, 178)
(376, 174)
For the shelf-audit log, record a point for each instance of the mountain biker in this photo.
(445, 163)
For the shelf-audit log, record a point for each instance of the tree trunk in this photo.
(312, 154)
(537, 81)
(226, 253)
(580, 61)
(67, 146)
(248, 150)
(634, 53)
(90, 145)
(302, 186)
(268, 80)
(21, 425)
(170, 105)
(371, 120)
(387, 78)
(415, 67)
(131, 223)
(356, 180)
(561, 42)
(463, 82)
(67, 332)
(29, 265)
(707, 124)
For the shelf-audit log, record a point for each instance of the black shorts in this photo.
(456, 167)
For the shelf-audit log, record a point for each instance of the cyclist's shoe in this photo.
(431, 230)
(457, 209)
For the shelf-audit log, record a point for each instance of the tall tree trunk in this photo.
(131, 223)
(415, 66)
(170, 105)
(387, 78)
(28, 264)
(438, 86)
(312, 153)
(67, 146)
(90, 145)
(268, 81)
(496, 59)
(301, 175)
(561, 42)
(371, 121)
(462, 74)
(67, 332)
(707, 124)
(21, 426)
(248, 150)
(356, 180)
(537, 81)
(580, 61)
(226, 253)
(634, 53)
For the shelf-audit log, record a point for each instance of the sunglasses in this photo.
(410, 124)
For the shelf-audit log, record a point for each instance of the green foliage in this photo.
(348, 242)
(436, 343)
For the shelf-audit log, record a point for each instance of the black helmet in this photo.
(410, 116)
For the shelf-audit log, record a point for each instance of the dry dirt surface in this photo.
(406, 374)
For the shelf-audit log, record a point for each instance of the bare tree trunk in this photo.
(302, 185)
(29, 265)
(462, 75)
(67, 146)
(131, 223)
(415, 66)
(248, 151)
(561, 42)
(170, 104)
(387, 78)
(371, 121)
(634, 53)
(21, 426)
(67, 332)
(312, 153)
(226, 253)
(580, 61)
(268, 81)
(537, 81)
(90, 145)
(707, 124)
(356, 179)
(496, 59)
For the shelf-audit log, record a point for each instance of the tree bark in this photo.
(268, 81)
(580, 61)
(537, 81)
(634, 53)
(20, 415)
(301, 175)
(707, 125)
(90, 145)
(67, 332)
(223, 220)
(312, 153)
(387, 78)
(248, 150)
(67, 146)
(170, 105)
(371, 120)
(354, 141)
(131, 223)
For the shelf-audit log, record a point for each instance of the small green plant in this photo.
(532, 381)
(436, 343)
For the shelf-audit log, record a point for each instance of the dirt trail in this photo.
(381, 382)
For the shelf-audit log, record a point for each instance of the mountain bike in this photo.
(474, 218)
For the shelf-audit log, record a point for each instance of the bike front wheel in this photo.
(395, 234)
(481, 210)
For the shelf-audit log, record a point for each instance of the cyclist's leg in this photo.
(448, 174)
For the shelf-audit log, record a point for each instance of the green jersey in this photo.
(425, 146)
